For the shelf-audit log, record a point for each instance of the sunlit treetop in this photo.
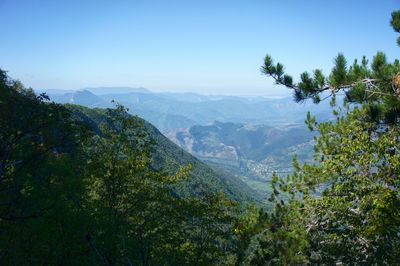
(375, 83)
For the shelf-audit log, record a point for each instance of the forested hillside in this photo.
(253, 137)
(168, 157)
(83, 186)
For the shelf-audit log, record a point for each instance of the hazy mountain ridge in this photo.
(169, 111)
(98, 90)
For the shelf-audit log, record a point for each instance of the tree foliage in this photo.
(81, 194)
(375, 83)
(344, 208)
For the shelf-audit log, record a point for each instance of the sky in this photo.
(209, 47)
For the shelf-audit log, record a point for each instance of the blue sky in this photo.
(200, 46)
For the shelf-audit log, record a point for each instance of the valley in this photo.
(250, 152)
(248, 138)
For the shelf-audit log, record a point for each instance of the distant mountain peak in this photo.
(84, 92)
(116, 90)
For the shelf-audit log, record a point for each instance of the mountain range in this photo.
(169, 111)
(242, 138)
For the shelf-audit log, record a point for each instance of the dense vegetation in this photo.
(345, 208)
(81, 187)
(168, 157)
(85, 187)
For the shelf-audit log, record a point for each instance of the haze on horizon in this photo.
(207, 47)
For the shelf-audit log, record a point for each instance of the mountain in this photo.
(83, 97)
(251, 152)
(254, 136)
(116, 90)
(171, 111)
(97, 90)
(168, 157)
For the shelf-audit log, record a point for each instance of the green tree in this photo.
(40, 179)
(376, 85)
(133, 209)
(207, 230)
(345, 206)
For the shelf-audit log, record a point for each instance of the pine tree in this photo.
(375, 84)
(344, 208)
